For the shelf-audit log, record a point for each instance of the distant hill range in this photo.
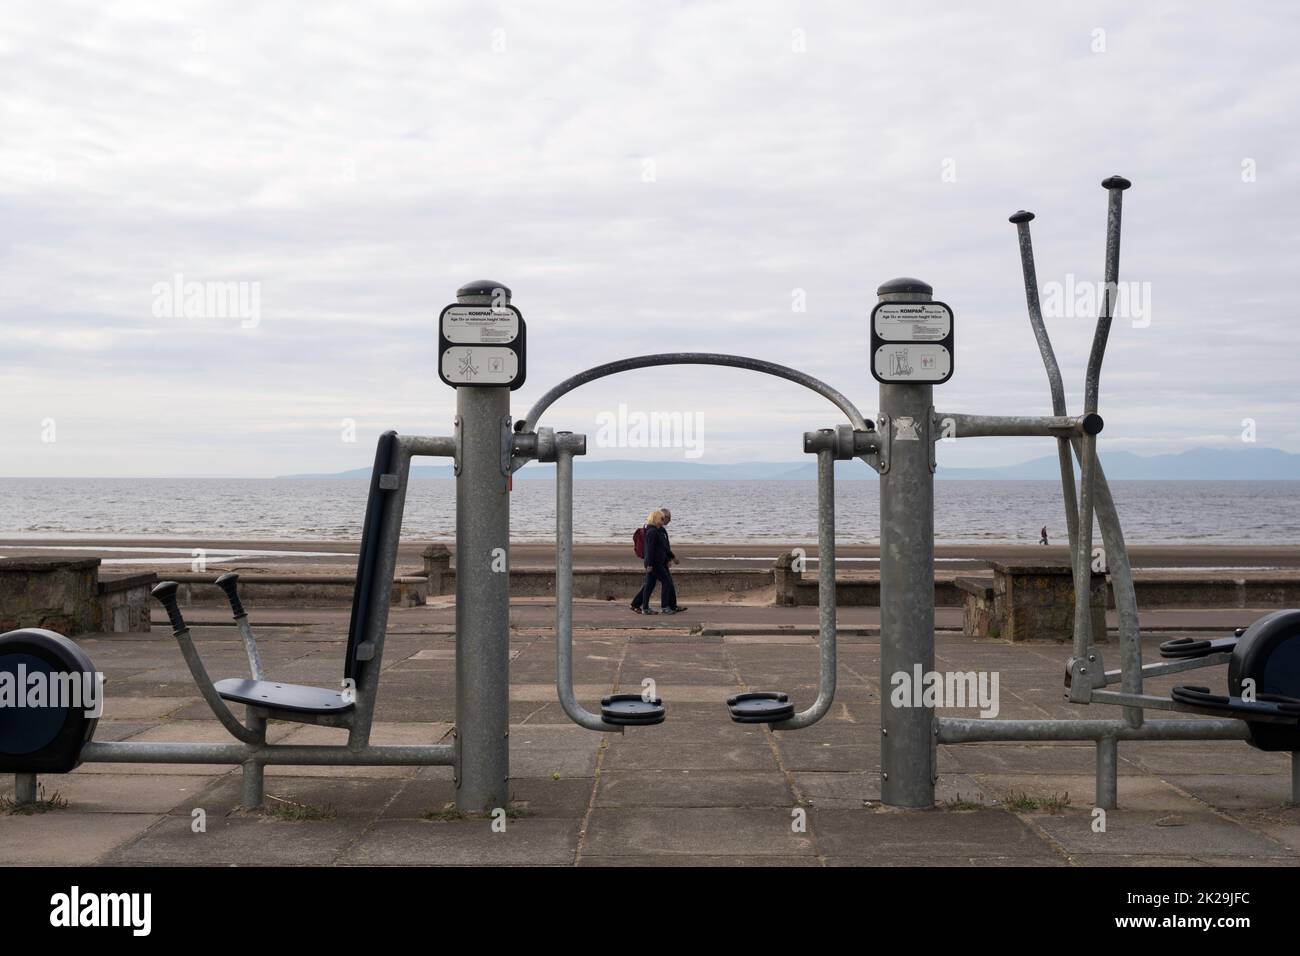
(1198, 464)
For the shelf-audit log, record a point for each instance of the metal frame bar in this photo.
(834, 396)
(826, 599)
(1053, 369)
(565, 445)
(975, 730)
(404, 755)
(1064, 427)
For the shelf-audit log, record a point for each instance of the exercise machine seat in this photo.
(296, 698)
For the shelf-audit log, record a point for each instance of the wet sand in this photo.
(122, 555)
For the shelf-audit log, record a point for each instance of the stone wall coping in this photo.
(124, 582)
(47, 564)
(1039, 569)
(982, 587)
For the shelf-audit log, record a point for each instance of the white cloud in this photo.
(359, 163)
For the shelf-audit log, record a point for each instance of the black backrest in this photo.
(377, 505)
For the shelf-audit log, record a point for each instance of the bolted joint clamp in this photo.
(571, 443)
(1083, 675)
(550, 443)
(844, 442)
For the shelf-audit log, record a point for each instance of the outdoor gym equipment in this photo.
(61, 739)
(1269, 660)
(481, 342)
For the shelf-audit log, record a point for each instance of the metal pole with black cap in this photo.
(481, 355)
(911, 344)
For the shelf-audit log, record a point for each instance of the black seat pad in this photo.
(294, 697)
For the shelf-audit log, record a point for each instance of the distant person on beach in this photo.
(1042, 535)
(657, 555)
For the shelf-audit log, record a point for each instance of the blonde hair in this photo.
(656, 518)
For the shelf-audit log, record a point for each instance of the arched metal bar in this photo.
(836, 398)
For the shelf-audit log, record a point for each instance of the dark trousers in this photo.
(658, 574)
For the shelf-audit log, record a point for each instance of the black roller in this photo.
(631, 710)
(1268, 653)
(45, 735)
(760, 707)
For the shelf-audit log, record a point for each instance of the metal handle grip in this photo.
(229, 583)
(165, 592)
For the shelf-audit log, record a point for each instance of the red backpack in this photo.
(638, 542)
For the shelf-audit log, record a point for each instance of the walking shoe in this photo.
(635, 609)
(649, 610)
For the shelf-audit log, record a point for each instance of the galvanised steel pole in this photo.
(906, 579)
(482, 585)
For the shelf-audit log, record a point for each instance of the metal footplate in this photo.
(632, 710)
(760, 707)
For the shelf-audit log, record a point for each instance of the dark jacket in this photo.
(657, 548)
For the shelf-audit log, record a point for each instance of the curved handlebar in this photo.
(165, 592)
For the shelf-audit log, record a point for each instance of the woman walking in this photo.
(657, 555)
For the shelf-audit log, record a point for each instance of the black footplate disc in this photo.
(632, 710)
(760, 707)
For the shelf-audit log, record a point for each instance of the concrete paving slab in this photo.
(1064, 758)
(240, 841)
(926, 838)
(125, 792)
(666, 753)
(693, 788)
(143, 708)
(1135, 792)
(67, 837)
(1143, 832)
(1202, 757)
(1280, 824)
(361, 797)
(718, 831)
(800, 755)
(471, 842)
(699, 860)
(1236, 792)
(567, 797)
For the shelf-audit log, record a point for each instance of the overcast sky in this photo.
(645, 177)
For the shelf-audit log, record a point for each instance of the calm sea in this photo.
(1152, 512)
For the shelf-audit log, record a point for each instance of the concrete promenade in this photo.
(697, 789)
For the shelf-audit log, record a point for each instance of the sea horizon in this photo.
(741, 511)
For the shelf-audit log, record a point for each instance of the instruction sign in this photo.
(481, 346)
(479, 324)
(911, 342)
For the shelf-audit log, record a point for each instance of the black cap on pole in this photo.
(905, 284)
(485, 288)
